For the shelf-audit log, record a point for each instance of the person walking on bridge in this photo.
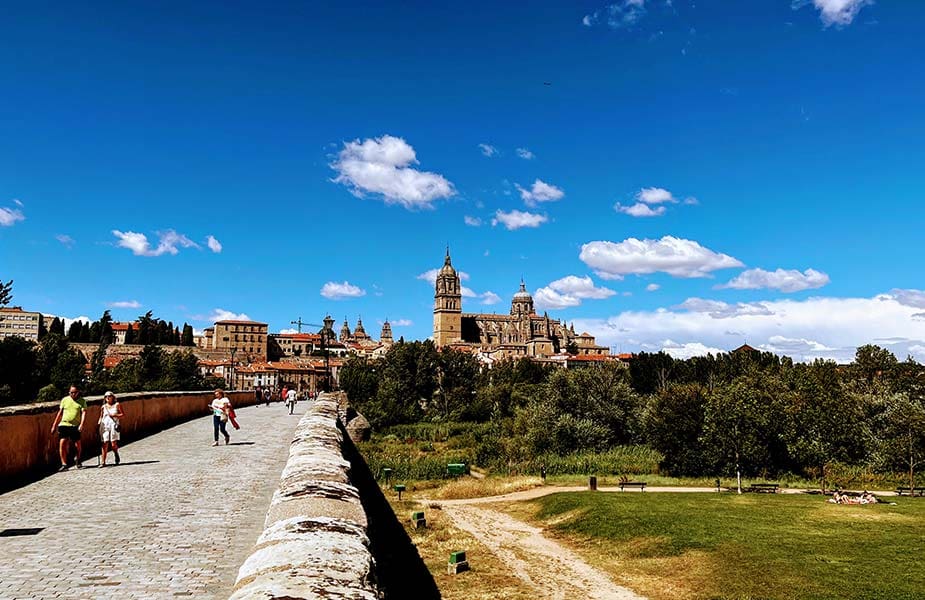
(220, 408)
(267, 395)
(258, 396)
(290, 400)
(69, 423)
(110, 413)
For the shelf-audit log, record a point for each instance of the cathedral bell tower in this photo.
(447, 305)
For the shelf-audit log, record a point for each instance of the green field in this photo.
(674, 545)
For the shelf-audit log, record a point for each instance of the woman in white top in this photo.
(110, 413)
(220, 408)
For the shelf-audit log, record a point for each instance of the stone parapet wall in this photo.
(316, 543)
(29, 448)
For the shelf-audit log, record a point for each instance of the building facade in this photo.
(14, 321)
(520, 333)
(248, 339)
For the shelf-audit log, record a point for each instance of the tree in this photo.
(19, 374)
(146, 333)
(872, 363)
(73, 332)
(106, 335)
(57, 326)
(129, 334)
(457, 377)
(6, 292)
(902, 433)
(85, 332)
(186, 338)
(673, 425)
(60, 364)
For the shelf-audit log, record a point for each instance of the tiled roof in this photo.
(234, 322)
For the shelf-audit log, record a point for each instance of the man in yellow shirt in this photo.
(69, 422)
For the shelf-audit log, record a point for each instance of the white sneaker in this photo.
(215, 443)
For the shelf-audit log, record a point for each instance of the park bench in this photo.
(764, 488)
(916, 491)
(631, 484)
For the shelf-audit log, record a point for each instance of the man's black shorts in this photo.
(68, 432)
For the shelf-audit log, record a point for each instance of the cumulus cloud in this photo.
(221, 314)
(401, 323)
(839, 13)
(640, 210)
(381, 166)
(540, 191)
(214, 244)
(10, 216)
(67, 240)
(675, 256)
(783, 280)
(818, 327)
(913, 298)
(688, 350)
(569, 291)
(289, 330)
(472, 221)
(124, 304)
(525, 154)
(652, 287)
(489, 298)
(333, 290)
(547, 298)
(169, 242)
(488, 149)
(655, 195)
(517, 219)
(723, 310)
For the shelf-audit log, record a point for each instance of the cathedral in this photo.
(521, 333)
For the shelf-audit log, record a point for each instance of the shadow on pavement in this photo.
(400, 571)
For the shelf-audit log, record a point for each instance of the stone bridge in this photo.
(181, 518)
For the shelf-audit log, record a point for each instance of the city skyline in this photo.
(663, 174)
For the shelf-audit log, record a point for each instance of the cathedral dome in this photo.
(447, 268)
(522, 293)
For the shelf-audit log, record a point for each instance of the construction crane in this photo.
(327, 363)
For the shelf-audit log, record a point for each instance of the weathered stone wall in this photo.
(315, 544)
(29, 448)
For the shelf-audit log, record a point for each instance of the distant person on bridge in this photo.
(69, 422)
(220, 408)
(267, 394)
(258, 396)
(284, 393)
(290, 400)
(110, 413)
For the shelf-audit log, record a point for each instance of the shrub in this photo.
(49, 393)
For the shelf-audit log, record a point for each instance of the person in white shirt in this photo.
(110, 413)
(290, 400)
(220, 407)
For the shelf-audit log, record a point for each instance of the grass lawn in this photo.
(670, 546)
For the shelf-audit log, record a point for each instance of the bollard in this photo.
(399, 488)
(418, 519)
(458, 563)
(592, 482)
(387, 473)
(543, 473)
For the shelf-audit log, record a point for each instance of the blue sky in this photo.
(679, 175)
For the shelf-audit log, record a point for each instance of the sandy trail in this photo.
(546, 566)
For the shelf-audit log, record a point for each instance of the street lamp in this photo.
(233, 350)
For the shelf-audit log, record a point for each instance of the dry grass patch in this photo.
(469, 487)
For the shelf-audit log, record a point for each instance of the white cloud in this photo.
(472, 221)
(723, 310)
(783, 280)
(654, 195)
(333, 290)
(214, 244)
(675, 256)
(818, 327)
(652, 287)
(640, 210)
(488, 149)
(169, 242)
(381, 166)
(834, 12)
(913, 298)
(688, 350)
(569, 291)
(289, 330)
(586, 21)
(540, 192)
(401, 323)
(517, 219)
(489, 298)
(66, 240)
(220, 314)
(124, 304)
(525, 154)
(10, 216)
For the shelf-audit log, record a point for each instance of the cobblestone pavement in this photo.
(175, 520)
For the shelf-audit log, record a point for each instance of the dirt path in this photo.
(546, 566)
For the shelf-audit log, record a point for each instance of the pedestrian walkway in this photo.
(175, 520)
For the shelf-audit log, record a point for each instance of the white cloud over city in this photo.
(517, 219)
(382, 167)
(818, 327)
(675, 256)
(334, 290)
(838, 13)
(569, 291)
(488, 150)
(168, 242)
(781, 279)
(124, 304)
(10, 216)
(221, 314)
(213, 244)
(540, 191)
(525, 154)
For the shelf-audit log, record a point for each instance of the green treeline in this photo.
(704, 416)
(45, 370)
